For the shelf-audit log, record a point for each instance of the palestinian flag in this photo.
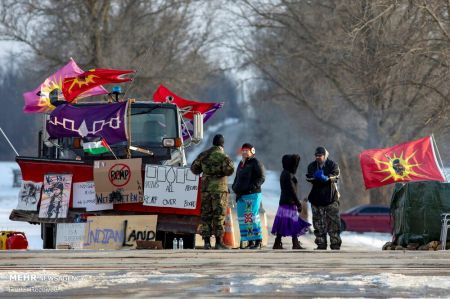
(96, 147)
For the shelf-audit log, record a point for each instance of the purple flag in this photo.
(108, 121)
(187, 129)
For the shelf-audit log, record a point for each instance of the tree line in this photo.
(348, 75)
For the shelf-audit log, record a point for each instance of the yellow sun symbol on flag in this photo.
(82, 81)
(44, 95)
(398, 168)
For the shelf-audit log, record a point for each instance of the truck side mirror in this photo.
(198, 128)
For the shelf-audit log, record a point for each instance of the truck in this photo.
(156, 136)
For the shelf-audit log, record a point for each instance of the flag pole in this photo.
(439, 157)
(129, 128)
(10, 144)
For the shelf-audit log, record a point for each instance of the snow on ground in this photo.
(8, 202)
(344, 284)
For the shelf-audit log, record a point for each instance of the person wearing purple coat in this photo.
(287, 221)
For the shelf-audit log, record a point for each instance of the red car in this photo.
(367, 218)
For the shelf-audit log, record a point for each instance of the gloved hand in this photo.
(324, 178)
(318, 174)
(299, 209)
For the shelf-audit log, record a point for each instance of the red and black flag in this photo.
(74, 86)
(406, 162)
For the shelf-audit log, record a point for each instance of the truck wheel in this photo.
(48, 233)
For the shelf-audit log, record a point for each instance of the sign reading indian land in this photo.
(118, 232)
(118, 181)
(170, 187)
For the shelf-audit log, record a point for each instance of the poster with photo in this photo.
(55, 196)
(29, 195)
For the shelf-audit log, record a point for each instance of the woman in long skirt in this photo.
(247, 186)
(287, 221)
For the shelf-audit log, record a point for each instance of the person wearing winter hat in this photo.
(247, 186)
(287, 221)
(215, 166)
(323, 174)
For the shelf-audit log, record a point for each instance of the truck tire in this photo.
(48, 234)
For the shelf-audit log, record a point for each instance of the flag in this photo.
(38, 100)
(73, 87)
(187, 107)
(410, 161)
(108, 121)
(96, 147)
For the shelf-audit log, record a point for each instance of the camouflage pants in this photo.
(327, 220)
(214, 208)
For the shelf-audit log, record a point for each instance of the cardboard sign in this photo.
(118, 181)
(71, 234)
(84, 197)
(119, 232)
(29, 195)
(170, 187)
(55, 196)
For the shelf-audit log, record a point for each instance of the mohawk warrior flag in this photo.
(106, 121)
(188, 108)
(411, 161)
(73, 87)
(38, 100)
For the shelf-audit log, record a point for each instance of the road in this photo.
(234, 273)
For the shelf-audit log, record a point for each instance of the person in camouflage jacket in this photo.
(215, 166)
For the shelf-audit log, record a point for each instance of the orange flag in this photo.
(74, 86)
(410, 161)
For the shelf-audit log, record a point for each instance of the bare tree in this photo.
(166, 41)
(369, 73)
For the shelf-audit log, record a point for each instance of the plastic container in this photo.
(180, 244)
(175, 244)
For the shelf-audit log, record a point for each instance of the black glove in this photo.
(299, 208)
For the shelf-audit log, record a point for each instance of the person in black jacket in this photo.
(287, 221)
(247, 186)
(323, 174)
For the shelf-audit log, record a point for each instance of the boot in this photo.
(250, 244)
(256, 245)
(296, 243)
(277, 244)
(207, 244)
(220, 245)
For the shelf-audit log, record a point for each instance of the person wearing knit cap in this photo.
(247, 186)
(215, 166)
(323, 174)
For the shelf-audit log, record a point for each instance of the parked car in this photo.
(367, 218)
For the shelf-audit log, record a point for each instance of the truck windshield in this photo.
(150, 125)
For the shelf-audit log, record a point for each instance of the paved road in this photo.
(233, 273)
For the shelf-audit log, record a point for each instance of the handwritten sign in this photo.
(171, 187)
(70, 234)
(55, 196)
(29, 195)
(118, 181)
(84, 197)
(119, 232)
